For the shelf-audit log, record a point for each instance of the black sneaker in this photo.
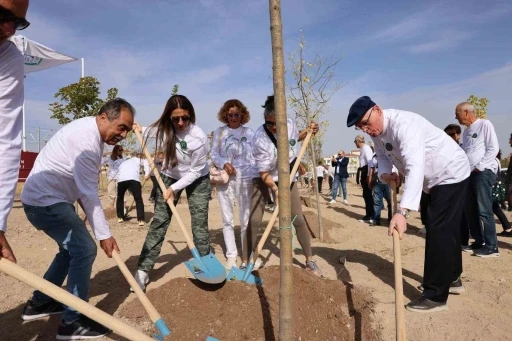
(472, 248)
(487, 253)
(365, 219)
(457, 288)
(424, 305)
(82, 329)
(33, 312)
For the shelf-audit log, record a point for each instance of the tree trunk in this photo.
(285, 232)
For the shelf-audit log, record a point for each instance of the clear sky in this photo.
(422, 56)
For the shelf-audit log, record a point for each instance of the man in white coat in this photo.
(12, 18)
(66, 171)
(430, 160)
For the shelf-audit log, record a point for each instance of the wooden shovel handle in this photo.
(74, 302)
(399, 289)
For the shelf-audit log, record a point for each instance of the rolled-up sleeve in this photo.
(197, 162)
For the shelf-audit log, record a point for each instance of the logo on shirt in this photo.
(292, 142)
(474, 135)
(183, 145)
(389, 147)
(243, 139)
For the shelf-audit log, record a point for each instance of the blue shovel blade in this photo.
(235, 274)
(209, 338)
(207, 268)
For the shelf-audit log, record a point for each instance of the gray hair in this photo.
(113, 107)
(360, 138)
(466, 106)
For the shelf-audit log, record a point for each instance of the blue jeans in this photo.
(479, 208)
(77, 251)
(381, 191)
(336, 185)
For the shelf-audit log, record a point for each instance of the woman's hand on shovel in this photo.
(108, 245)
(398, 223)
(169, 194)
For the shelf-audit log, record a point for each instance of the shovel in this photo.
(153, 314)
(74, 302)
(399, 289)
(207, 268)
(236, 274)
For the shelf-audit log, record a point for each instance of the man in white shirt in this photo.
(480, 143)
(65, 171)
(12, 18)
(365, 156)
(430, 160)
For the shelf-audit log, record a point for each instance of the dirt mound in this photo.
(323, 309)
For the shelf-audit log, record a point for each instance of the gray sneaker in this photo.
(313, 267)
(424, 305)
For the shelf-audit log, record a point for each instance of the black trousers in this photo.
(443, 255)
(501, 216)
(331, 180)
(425, 201)
(367, 194)
(155, 186)
(136, 189)
(320, 179)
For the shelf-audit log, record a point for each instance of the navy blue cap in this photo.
(358, 109)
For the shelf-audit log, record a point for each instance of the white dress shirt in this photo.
(265, 153)
(130, 169)
(191, 151)
(480, 143)
(66, 170)
(113, 166)
(365, 155)
(423, 153)
(11, 104)
(234, 146)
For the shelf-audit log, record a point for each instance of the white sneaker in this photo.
(332, 202)
(231, 262)
(345, 202)
(142, 278)
(258, 264)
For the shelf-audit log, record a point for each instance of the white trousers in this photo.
(241, 191)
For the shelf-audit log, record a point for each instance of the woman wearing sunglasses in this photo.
(184, 145)
(231, 151)
(265, 156)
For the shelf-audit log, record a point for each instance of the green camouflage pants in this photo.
(198, 194)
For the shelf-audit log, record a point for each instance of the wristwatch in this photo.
(405, 213)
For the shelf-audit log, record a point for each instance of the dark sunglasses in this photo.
(19, 23)
(176, 119)
(270, 124)
(230, 116)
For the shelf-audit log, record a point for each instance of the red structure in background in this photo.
(26, 164)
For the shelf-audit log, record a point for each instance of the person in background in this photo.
(330, 172)
(480, 143)
(184, 145)
(340, 164)
(12, 97)
(380, 191)
(232, 151)
(113, 162)
(158, 161)
(128, 178)
(454, 131)
(265, 157)
(320, 172)
(365, 156)
(498, 195)
(509, 177)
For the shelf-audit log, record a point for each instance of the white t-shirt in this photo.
(191, 150)
(480, 143)
(113, 166)
(66, 170)
(320, 171)
(234, 146)
(366, 154)
(265, 153)
(130, 169)
(11, 123)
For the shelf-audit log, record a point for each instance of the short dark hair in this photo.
(452, 128)
(269, 107)
(113, 107)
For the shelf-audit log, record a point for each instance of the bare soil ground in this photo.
(354, 302)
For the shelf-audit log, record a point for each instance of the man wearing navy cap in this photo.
(430, 161)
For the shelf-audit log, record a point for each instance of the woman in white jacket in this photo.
(232, 152)
(113, 161)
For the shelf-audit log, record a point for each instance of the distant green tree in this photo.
(79, 100)
(480, 105)
(175, 89)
